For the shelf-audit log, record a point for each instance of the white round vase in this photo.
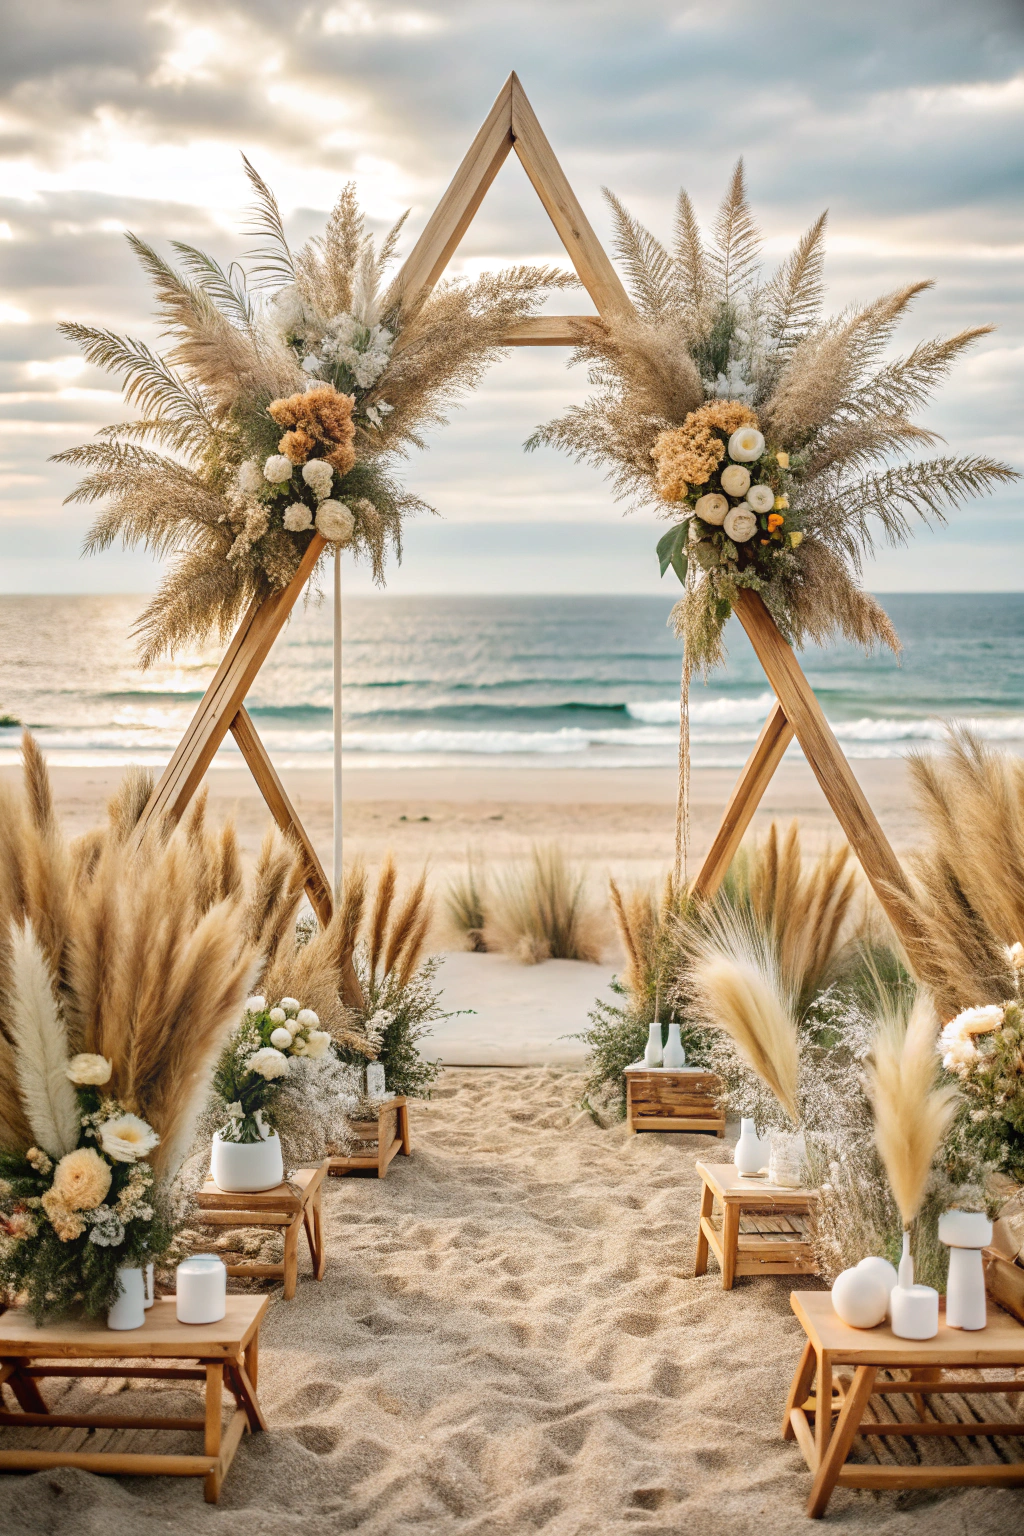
(884, 1271)
(129, 1310)
(242, 1167)
(860, 1298)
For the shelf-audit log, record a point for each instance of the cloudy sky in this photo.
(904, 117)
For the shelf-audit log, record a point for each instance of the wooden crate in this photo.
(385, 1138)
(1004, 1281)
(671, 1099)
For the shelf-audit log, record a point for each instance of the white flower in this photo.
(761, 498)
(746, 445)
(299, 1046)
(1015, 955)
(712, 508)
(255, 1004)
(288, 310)
(277, 1015)
(319, 476)
(335, 522)
(740, 524)
(960, 1056)
(278, 469)
(281, 1037)
(268, 1063)
(297, 517)
(86, 1069)
(735, 479)
(311, 364)
(291, 1005)
(250, 477)
(126, 1138)
(974, 1021)
(317, 1044)
(307, 1019)
(107, 1227)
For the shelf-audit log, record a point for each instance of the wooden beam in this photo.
(454, 213)
(776, 735)
(318, 887)
(547, 331)
(585, 250)
(222, 700)
(826, 758)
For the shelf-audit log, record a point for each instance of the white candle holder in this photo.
(965, 1233)
(202, 1289)
(915, 1311)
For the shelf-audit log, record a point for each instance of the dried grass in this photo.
(542, 911)
(465, 903)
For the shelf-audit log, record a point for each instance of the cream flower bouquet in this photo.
(256, 1062)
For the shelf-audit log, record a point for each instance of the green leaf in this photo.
(672, 550)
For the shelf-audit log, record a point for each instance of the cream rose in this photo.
(127, 1138)
(268, 1063)
(307, 1019)
(761, 498)
(86, 1070)
(319, 476)
(746, 445)
(713, 507)
(255, 1004)
(297, 517)
(277, 1015)
(281, 1038)
(81, 1180)
(740, 524)
(735, 480)
(335, 522)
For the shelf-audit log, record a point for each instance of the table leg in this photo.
(730, 1241)
(245, 1393)
(925, 1373)
(831, 1463)
(320, 1257)
(707, 1206)
(403, 1127)
(212, 1431)
(25, 1390)
(252, 1359)
(291, 1257)
(823, 1402)
(799, 1387)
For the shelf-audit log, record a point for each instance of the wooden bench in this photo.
(291, 1205)
(875, 1354)
(226, 1354)
(760, 1228)
(673, 1099)
(390, 1131)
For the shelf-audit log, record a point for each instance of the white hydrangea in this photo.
(268, 1063)
(317, 1044)
(319, 476)
(281, 1037)
(297, 517)
(335, 521)
(278, 469)
(250, 477)
(364, 351)
(291, 1005)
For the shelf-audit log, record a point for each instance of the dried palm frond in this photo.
(912, 1111)
(734, 255)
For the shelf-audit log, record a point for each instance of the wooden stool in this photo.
(391, 1131)
(831, 1342)
(762, 1229)
(227, 1352)
(673, 1099)
(293, 1204)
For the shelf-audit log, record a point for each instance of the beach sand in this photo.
(509, 1339)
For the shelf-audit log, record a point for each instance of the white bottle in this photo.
(653, 1053)
(905, 1273)
(674, 1055)
(749, 1154)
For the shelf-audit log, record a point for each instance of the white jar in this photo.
(202, 1288)
(129, 1310)
(243, 1167)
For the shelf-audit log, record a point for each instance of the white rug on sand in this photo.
(522, 1013)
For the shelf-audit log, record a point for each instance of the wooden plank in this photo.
(249, 648)
(1004, 1281)
(546, 331)
(123, 1463)
(994, 1474)
(274, 793)
(657, 1123)
(776, 735)
(454, 213)
(827, 759)
(100, 1421)
(585, 251)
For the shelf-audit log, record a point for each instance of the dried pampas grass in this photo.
(543, 911)
(912, 1111)
(40, 1047)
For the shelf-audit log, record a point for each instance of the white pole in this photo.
(337, 723)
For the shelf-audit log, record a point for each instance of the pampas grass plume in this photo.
(41, 1047)
(912, 1111)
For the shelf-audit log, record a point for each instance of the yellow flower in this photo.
(775, 520)
(782, 460)
(82, 1180)
(795, 539)
(782, 503)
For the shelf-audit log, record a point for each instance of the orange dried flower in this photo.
(727, 415)
(320, 417)
(775, 520)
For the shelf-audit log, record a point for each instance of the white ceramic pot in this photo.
(674, 1055)
(242, 1167)
(129, 1310)
(749, 1154)
(965, 1233)
(653, 1052)
(915, 1312)
(860, 1298)
(883, 1271)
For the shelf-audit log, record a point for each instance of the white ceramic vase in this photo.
(201, 1284)
(242, 1167)
(653, 1051)
(129, 1310)
(884, 1272)
(965, 1233)
(674, 1055)
(860, 1297)
(749, 1154)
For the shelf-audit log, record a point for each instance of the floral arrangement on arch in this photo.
(256, 1061)
(983, 1051)
(289, 393)
(754, 423)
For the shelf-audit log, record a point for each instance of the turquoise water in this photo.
(547, 681)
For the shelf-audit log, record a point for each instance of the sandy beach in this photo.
(509, 1338)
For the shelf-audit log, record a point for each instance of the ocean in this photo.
(553, 682)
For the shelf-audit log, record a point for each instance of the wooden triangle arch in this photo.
(511, 124)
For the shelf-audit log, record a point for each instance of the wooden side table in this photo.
(391, 1132)
(291, 1205)
(762, 1228)
(227, 1354)
(673, 1099)
(831, 1342)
